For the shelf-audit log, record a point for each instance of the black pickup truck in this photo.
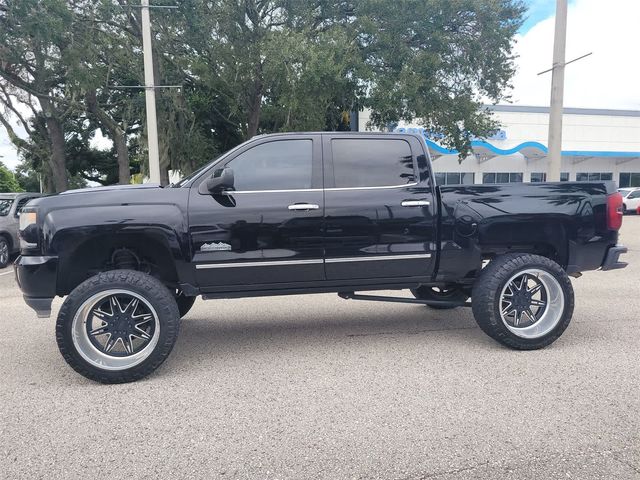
(308, 213)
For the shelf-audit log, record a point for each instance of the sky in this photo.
(610, 78)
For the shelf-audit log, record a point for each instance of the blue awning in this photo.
(529, 150)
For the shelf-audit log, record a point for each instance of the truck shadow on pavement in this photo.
(207, 338)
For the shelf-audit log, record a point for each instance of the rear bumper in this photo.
(37, 276)
(611, 259)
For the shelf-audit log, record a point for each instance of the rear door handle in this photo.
(304, 206)
(415, 203)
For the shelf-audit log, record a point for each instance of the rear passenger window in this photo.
(371, 162)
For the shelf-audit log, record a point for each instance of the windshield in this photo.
(5, 206)
(625, 191)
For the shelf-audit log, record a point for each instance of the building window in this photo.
(593, 176)
(538, 177)
(629, 179)
(542, 176)
(502, 177)
(454, 178)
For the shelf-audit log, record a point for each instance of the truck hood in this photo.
(111, 188)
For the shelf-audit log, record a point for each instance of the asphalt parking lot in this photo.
(319, 387)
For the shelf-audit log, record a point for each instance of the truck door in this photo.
(267, 230)
(380, 208)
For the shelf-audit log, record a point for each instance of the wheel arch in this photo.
(548, 239)
(150, 251)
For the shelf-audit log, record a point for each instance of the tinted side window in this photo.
(371, 162)
(278, 165)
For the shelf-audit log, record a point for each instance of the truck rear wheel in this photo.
(118, 326)
(441, 294)
(523, 301)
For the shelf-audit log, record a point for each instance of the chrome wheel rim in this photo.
(531, 303)
(4, 253)
(115, 329)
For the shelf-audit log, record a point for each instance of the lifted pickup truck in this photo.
(308, 213)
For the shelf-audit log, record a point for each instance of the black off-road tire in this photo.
(486, 300)
(454, 294)
(5, 252)
(184, 304)
(146, 286)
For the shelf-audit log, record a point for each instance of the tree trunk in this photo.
(55, 131)
(124, 171)
(117, 134)
(255, 105)
(164, 176)
(57, 161)
(254, 116)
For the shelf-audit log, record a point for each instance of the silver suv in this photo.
(10, 206)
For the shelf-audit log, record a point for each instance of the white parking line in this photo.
(5, 273)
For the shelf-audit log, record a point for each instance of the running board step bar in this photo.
(381, 298)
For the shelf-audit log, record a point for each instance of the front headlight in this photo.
(28, 229)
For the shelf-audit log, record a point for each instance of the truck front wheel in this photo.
(117, 326)
(523, 301)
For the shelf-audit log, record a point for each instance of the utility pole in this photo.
(150, 95)
(557, 93)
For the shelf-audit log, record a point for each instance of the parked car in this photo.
(630, 199)
(10, 206)
(308, 213)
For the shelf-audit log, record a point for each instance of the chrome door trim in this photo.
(335, 189)
(379, 257)
(278, 263)
(233, 192)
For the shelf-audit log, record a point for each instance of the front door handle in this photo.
(304, 206)
(415, 203)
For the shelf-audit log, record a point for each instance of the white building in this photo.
(597, 145)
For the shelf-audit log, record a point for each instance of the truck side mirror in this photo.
(220, 181)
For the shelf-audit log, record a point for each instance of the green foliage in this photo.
(8, 182)
(245, 67)
(438, 61)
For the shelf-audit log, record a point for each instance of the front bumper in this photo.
(611, 259)
(37, 276)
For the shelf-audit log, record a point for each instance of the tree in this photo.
(438, 61)
(289, 60)
(8, 182)
(245, 67)
(38, 47)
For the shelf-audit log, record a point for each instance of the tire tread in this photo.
(489, 284)
(155, 291)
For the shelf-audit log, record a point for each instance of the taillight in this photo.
(614, 211)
